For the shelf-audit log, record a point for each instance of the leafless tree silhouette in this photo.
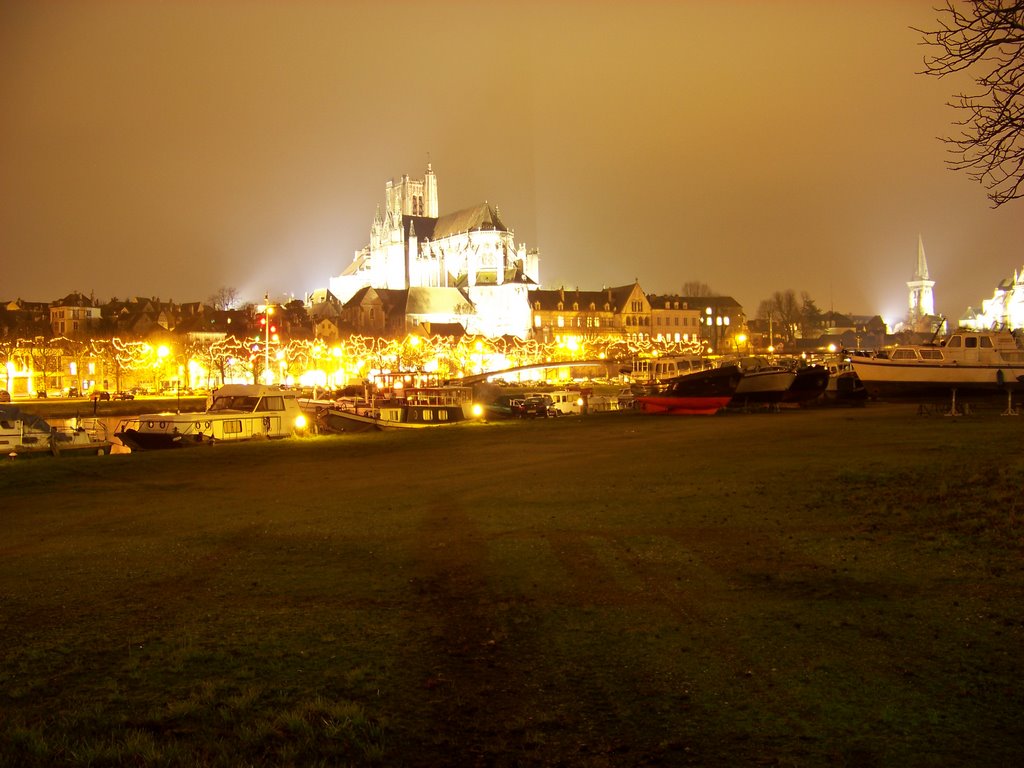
(986, 36)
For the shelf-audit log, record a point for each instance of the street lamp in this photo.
(268, 329)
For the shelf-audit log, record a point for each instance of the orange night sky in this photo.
(168, 149)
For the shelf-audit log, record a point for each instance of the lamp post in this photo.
(267, 312)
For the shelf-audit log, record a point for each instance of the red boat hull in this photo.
(685, 406)
(703, 393)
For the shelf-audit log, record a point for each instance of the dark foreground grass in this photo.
(797, 589)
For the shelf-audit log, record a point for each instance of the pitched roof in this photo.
(479, 217)
(429, 301)
(550, 299)
(513, 274)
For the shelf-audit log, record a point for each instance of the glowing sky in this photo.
(169, 149)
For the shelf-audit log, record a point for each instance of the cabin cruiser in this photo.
(236, 412)
(967, 361)
(401, 401)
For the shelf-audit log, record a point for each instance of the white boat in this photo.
(401, 401)
(966, 361)
(236, 412)
(24, 435)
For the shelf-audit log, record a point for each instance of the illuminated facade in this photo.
(1004, 310)
(471, 251)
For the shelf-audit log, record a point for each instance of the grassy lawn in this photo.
(839, 587)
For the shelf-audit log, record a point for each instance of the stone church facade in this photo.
(470, 252)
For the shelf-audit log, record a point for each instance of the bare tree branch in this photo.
(985, 34)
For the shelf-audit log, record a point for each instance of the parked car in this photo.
(531, 407)
(99, 395)
(73, 392)
(123, 396)
(5, 396)
(41, 394)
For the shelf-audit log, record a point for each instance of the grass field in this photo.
(813, 587)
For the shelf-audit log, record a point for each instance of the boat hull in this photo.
(400, 417)
(810, 384)
(703, 393)
(887, 378)
(763, 387)
(969, 362)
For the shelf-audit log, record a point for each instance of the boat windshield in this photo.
(235, 403)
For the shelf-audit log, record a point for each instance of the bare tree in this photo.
(783, 309)
(694, 288)
(224, 299)
(810, 315)
(986, 34)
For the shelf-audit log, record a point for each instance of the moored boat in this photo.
(967, 361)
(844, 386)
(809, 383)
(401, 401)
(700, 393)
(24, 435)
(238, 412)
(762, 383)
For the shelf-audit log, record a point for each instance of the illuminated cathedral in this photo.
(467, 260)
(1004, 310)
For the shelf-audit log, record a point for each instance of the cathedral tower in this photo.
(413, 197)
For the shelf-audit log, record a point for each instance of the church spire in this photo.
(922, 262)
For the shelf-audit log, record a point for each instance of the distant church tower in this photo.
(922, 303)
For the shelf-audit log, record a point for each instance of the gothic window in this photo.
(560, 306)
(575, 306)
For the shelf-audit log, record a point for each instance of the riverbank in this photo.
(811, 587)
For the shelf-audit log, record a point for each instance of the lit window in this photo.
(561, 321)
